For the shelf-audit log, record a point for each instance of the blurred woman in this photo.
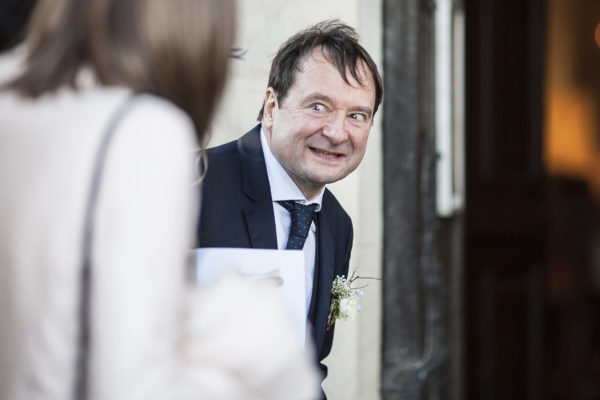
(97, 212)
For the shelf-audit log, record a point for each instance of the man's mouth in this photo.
(326, 153)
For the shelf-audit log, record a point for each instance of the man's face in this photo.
(319, 132)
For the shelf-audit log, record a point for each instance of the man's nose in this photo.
(335, 129)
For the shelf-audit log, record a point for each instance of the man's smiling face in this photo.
(319, 131)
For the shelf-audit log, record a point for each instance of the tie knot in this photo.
(301, 217)
(298, 208)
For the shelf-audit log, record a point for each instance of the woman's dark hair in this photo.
(176, 49)
(14, 15)
(339, 43)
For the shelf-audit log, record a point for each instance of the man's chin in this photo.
(322, 180)
(326, 176)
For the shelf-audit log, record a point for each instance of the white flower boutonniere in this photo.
(344, 299)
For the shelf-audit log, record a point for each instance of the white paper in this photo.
(211, 263)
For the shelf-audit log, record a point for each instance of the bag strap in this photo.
(80, 390)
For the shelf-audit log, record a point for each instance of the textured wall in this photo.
(354, 362)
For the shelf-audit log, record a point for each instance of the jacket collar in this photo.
(324, 270)
(255, 185)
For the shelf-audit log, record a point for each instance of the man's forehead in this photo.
(320, 55)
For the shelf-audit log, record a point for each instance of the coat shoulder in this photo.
(228, 148)
(333, 206)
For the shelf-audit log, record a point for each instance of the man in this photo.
(322, 95)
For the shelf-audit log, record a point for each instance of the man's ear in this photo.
(270, 106)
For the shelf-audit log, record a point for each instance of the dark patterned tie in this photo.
(302, 216)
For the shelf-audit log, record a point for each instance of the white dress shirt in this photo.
(284, 188)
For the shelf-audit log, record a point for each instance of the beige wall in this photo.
(354, 362)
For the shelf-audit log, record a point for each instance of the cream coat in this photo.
(152, 338)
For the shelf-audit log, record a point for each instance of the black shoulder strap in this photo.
(82, 362)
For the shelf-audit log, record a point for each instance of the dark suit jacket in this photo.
(237, 211)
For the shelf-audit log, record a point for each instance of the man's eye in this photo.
(318, 107)
(358, 117)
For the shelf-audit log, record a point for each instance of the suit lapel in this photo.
(324, 270)
(260, 229)
(255, 185)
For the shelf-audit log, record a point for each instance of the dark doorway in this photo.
(572, 162)
(505, 219)
(532, 298)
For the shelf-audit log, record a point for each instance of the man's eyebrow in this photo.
(318, 96)
(322, 97)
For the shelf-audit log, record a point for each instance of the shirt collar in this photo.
(282, 186)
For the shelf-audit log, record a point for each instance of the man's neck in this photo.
(283, 184)
(309, 192)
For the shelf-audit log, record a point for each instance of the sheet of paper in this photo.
(211, 263)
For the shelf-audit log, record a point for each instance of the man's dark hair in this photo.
(340, 46)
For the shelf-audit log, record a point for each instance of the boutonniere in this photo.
(345, 298)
